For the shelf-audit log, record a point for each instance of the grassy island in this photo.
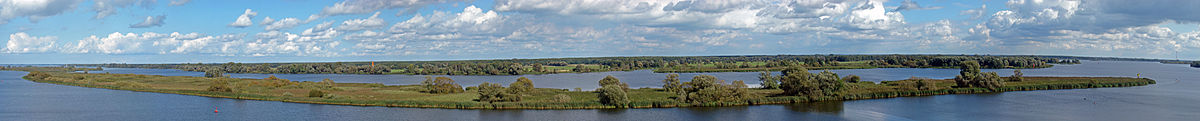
(443, 93)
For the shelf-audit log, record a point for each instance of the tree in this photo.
(970, 76)
(214, 73)
(768, 81)
(521, 87)
(829, 83)
(327, 83)
(852, 78)
(968, 71)
(1017, 76)
(610, 80)
(613, 95)
(490, 92)
(428, 83)
(538, 68)
(797, 81)
(444, 85)
(671, 84)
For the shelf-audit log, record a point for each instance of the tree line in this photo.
(598, 64)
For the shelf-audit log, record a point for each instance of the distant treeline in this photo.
(598, 64)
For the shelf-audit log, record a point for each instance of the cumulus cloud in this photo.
(368, 6)
(34, 9)
(21, 42)
(373, 22)
(285, 23)
(244, 19)
(151, 21)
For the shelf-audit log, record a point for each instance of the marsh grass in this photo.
(371, 94)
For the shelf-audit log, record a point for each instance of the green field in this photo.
(542, 98)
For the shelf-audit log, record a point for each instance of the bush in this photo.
(219, 85)
(522, 86)
(442, 85)
(316, 93)
(613, 95)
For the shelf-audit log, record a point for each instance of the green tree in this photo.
(852, 78)
(610, 80)
(613, 95)
(1017, 76)
(970, 76)
(538, 68)
(522, 86)
(445, 85)
(969, 70)
(830, 83)
(798, 81)
(768, 81)
(490, 92)
(671, 84)
(428, 84)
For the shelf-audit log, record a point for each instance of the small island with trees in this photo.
(794, 85)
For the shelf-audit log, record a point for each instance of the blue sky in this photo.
(214, 31)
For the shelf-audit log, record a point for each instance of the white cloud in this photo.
(105, 8)
(285, 23)
(178, 2)
(373, 22)
(150, 42)
(151, 21)
(21, 42)
(910, 5)
(34, 9)
(368, 6)
(244, 19)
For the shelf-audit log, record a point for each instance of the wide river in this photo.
(1175, 97)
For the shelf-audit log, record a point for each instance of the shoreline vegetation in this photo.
(660, 64)
(795, 85)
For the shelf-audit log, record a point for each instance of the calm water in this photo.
(1173, 98)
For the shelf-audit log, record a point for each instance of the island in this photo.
(795, 85)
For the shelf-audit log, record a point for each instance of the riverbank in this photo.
(542, 98)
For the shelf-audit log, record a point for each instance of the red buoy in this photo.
(215, 110)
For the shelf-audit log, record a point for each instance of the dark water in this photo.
(1175, 97)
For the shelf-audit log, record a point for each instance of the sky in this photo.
(217, 31)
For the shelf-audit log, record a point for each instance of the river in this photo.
(1173, 98)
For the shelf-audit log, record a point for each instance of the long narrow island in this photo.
(795, 85)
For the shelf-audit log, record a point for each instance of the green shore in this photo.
(363, 94)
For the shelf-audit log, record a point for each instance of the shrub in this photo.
(214, 73)
(316, 93)
(443, 85)
(613, 95)
(219, 85)
(522, 86)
